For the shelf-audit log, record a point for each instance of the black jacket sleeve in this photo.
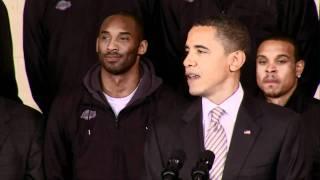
(35, 44)
(58, 151)
(34, 165)
(291, 162)
(22, 147)
(7, 75)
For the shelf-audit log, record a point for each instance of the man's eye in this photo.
(199, 51)
(261, 62)
(124, 38)
(282, 61)
(104, 37)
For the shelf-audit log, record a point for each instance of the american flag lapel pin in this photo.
(247, 132)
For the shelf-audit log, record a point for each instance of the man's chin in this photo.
(272, 94)
(194, 92)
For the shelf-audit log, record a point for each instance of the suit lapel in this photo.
(192, 134)
(244, 136)
(4, 128)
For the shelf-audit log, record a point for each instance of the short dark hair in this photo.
(233, 34)
(137, 19)
(285, 38)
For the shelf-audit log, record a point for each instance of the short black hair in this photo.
(285, 38)
(233, 34)
(136, 18)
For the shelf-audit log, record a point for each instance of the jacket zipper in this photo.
(117, 122)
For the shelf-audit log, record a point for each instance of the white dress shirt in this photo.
(230, 105)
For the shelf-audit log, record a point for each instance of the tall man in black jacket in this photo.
(279, 67)
(98, 130)
(7, 75)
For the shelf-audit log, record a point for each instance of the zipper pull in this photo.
(117, 123)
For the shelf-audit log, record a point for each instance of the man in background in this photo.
(279, 68)
(9, 87)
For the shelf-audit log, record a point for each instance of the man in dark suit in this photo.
(279, 67)
(251, 139)
(21, 130)
(7, 76)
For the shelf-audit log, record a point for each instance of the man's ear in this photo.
(299, 68)
(143, 46)
(237, 59)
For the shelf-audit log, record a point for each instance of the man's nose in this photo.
(271, 68)
(112, 45)
(189, 61)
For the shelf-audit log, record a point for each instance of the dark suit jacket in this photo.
(271, 151)
(309, 108)
(20, 142)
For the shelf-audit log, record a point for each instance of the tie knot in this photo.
(216, 113)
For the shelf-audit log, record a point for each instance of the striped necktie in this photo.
(216, 141)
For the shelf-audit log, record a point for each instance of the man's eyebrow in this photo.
(125, 33)
(121, 33)
(282, 55)
(201, 47)
(261, 56)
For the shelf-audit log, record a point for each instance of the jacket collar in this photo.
(149, 82)
(244, 135)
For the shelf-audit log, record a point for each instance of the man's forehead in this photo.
(276, 46)
(118, 21)
(202, 31)
(201, 35)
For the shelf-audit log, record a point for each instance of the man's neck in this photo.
(281, 100)
(120, 85)
(220, 94)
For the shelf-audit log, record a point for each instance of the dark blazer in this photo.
(271, 151)
(20, 142)
(309, 108)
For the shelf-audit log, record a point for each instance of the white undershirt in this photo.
(117, 104)
(230, 105)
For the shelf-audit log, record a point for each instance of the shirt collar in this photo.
(230, 105)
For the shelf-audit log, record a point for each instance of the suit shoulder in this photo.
(315, 104)
(22, 116)
(19, 110)
(275, 113)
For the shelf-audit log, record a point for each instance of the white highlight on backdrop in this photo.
(15, 11)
